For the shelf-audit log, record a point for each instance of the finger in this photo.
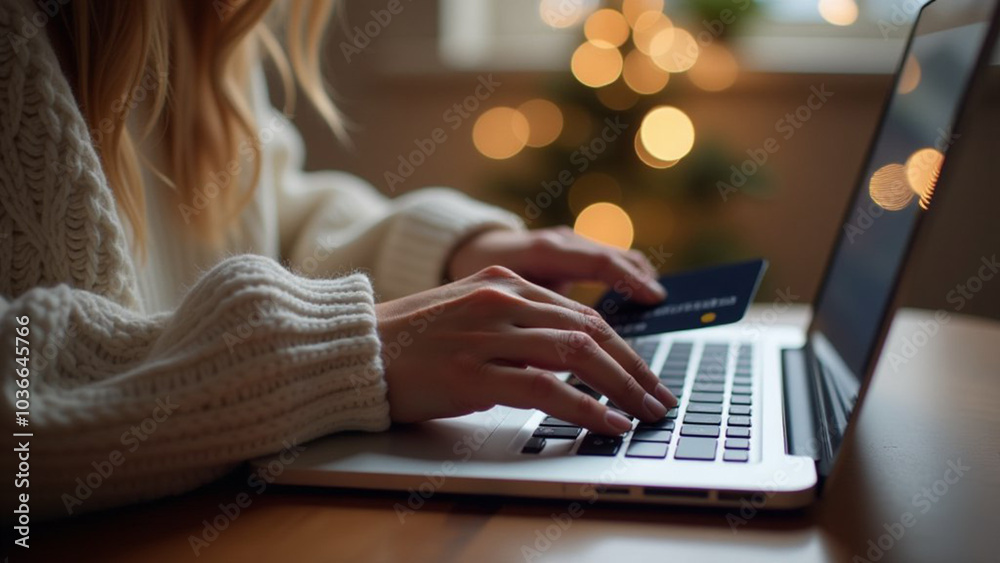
(639, 259)
(542, 315)
(574, 351)
(586, 261)
(534, 388)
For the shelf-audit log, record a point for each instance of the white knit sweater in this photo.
(174, 370)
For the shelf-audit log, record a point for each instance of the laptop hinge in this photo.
(806, 429)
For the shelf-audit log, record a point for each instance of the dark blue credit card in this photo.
(711, 297)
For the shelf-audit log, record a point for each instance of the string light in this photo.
(545, 121)
(674, 50)
(634, 9)
(667, 133)
(889, 189)
(839, 12)
(912, 74)
(500, 132)
(596, 66)
(606, 28)
(716, 69)
(923, 170)
(605, 223)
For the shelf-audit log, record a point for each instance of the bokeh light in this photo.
(839, 12)
(593, 187)
(605, 223)
(923, 170)
(646, 29)
(596, 66)
(889, 189)
(674, 50)
(716, 68)
(634, 9)
(642, 75)
(545, 121)
(912, 74)
(650, 160)
(500, 132)
(562, 13)
(667, 133)
(606, 28)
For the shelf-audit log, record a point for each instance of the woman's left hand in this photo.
(557, 257)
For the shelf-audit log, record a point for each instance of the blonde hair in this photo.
(199, 54)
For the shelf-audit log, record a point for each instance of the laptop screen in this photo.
(897, 184)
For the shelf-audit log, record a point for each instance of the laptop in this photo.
(761, 412)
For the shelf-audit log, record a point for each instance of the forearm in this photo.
(254, 358)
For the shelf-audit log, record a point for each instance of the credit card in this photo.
(711, 297)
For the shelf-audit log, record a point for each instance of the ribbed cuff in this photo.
(423, 237)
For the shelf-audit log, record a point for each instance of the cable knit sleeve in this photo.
(253, 360)
(124, 405)
(330, 221)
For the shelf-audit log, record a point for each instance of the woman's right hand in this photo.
(495, 339)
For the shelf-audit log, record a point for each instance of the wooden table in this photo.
(940, 406)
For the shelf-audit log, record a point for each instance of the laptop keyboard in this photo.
(713, 421)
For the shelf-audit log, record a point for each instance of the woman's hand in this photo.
(555, 257)
(494, 338)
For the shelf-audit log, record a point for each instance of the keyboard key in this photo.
(738, 409)
(739, 421)
(559, 432)
(654, 450)
(598, 444)
(587, 390)
(696, 448)
(672, 380)
(652, 435)
(700, 430)
(662, 424)
(708, 387)
(740, 400)
(737, 432)
(698, 418)
(742, 390)
(707, 408)
(553, 421)
(706, 397)
(740, 379)
(737, 444)
(736, 455)
(534, 445)
(672, 413)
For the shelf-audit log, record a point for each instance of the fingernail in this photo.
(665, 396)
(617, 420)
(653, 407)
(657, 289)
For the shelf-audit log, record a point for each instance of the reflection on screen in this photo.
(898, 184)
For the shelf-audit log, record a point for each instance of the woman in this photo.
(187, 298)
